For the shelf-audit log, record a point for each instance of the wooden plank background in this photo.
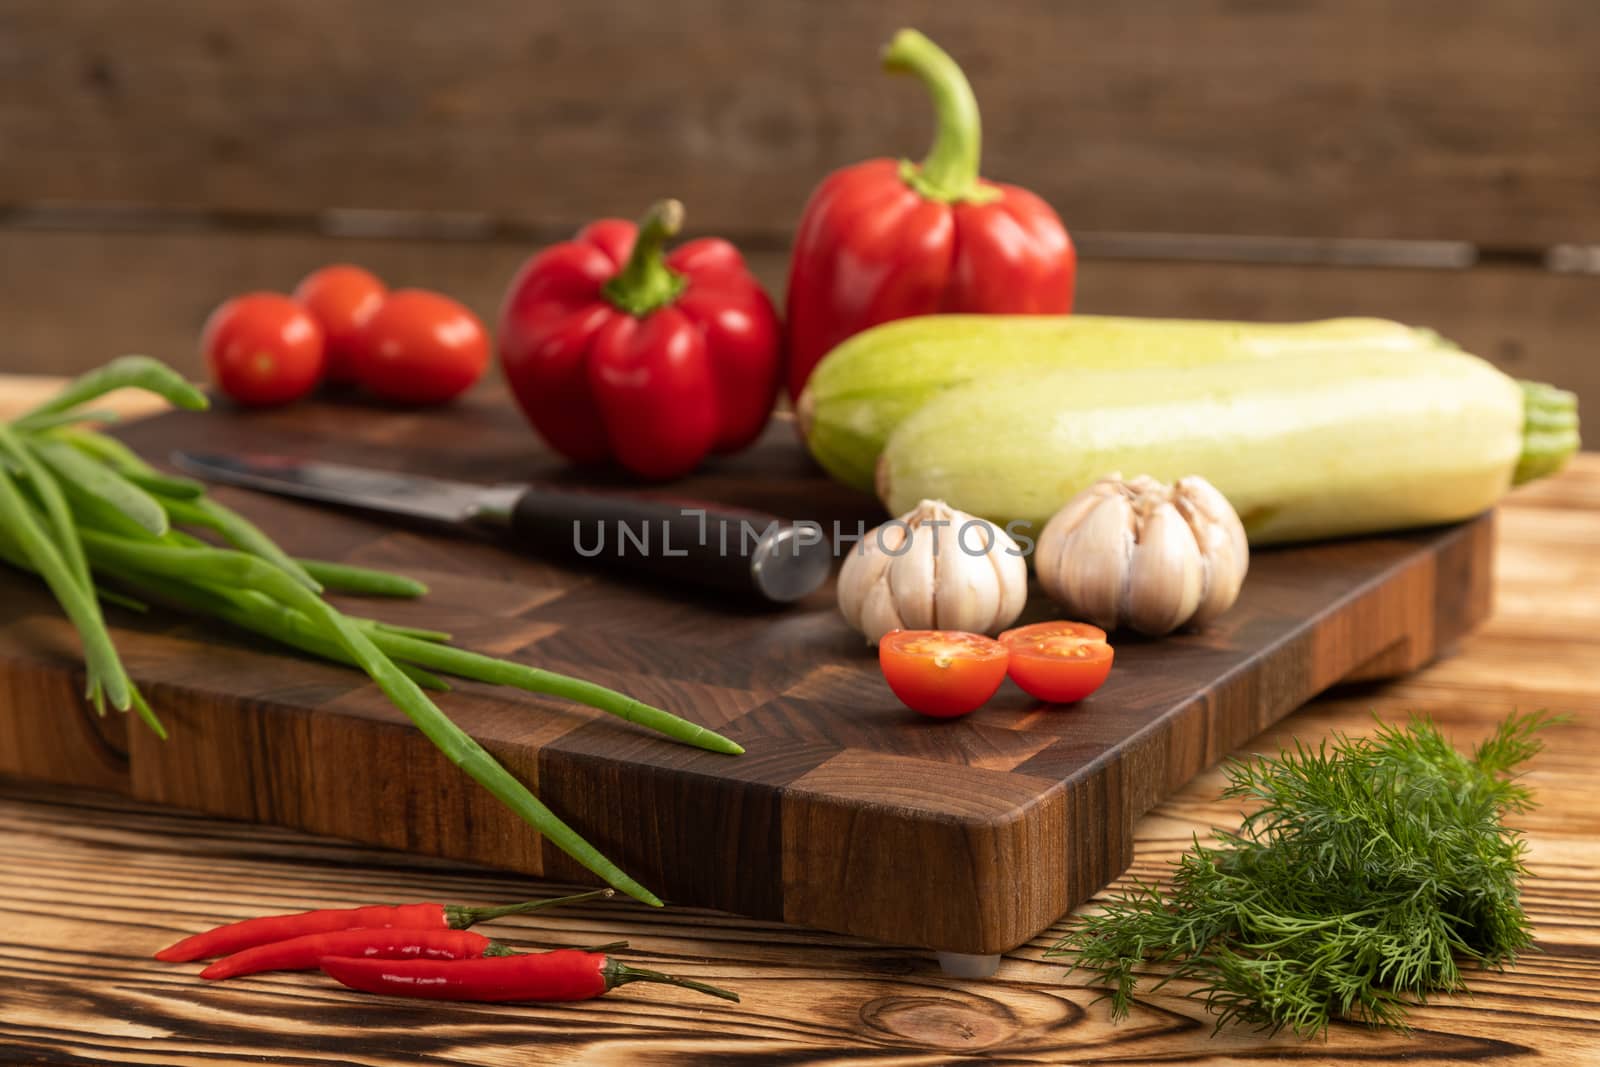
(1461, 119)
(251, 142)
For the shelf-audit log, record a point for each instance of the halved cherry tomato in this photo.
(1058, 661)
(420, 348)
(941, 673)
(342, 297)
(263, 349)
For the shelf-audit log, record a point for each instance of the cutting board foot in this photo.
(966, 965)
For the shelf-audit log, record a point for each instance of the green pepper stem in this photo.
(645, 282)
(616, 974)
(950, 172)
(460, 917)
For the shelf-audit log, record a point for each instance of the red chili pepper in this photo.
(267, 929)
(566, 974)
(386, 942)
(615, 351)
(886, 239)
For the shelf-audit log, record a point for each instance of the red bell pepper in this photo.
(886, 239)
(615, 350)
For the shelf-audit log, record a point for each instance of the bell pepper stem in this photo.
(950, 172)
(645, 282)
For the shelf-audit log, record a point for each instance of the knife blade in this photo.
(747, 553)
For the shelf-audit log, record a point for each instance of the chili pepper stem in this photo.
(949, 174)
(617, 974)
(499, 948)
(460, 917)
(645, 282)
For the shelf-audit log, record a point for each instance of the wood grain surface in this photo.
(1466, 120)
(93, 883)
(848, 812)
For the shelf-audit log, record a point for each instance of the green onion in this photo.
(10, 553)
(100, 481)
(438, 636)
(464, 664)
(344, 578)
(121, 600)
(69, 418)
(262, 615)
(239, 532)
(78, 602)
(48, 490)
(125, 372)
(166, 485)
(76, 506)
(130, 465)
(232, 568)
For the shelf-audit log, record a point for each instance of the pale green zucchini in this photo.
(863, 389)
(1303, 446)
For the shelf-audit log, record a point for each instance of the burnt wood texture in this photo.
(847, 812)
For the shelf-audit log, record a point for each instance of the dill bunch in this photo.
(1369, 871)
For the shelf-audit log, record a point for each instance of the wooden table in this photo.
(93, 884)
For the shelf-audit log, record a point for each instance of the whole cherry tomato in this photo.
(1058, 661)
(941, 673)
(263, 349)
(420, 348)
(341, 297)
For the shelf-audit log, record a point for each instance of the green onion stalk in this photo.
(80, 509)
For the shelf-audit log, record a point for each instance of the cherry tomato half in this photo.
(263, 349)
(1058, 661)
(421, 348)
(941, 673)
(341, 297)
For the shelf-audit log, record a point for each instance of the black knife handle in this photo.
(749, 554)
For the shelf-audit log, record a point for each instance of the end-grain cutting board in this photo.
(848, 812)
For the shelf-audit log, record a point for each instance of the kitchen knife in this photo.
(748, 553)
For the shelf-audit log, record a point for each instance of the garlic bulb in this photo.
(933, 568)
(1144, 555)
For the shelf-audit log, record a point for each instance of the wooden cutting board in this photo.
(847, 812)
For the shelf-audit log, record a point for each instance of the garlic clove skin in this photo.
(1053, 539)
(864, 567)
(1011, 575)
(1222, 541)
(971, 589)
(1140, 554)
(911, 579)
(878, 614)
(1093, 570)
(934, 568)
(1165, 573)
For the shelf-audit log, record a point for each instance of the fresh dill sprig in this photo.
(1366, 872)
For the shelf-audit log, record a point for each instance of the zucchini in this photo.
(1303, 446)
(866, 386)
